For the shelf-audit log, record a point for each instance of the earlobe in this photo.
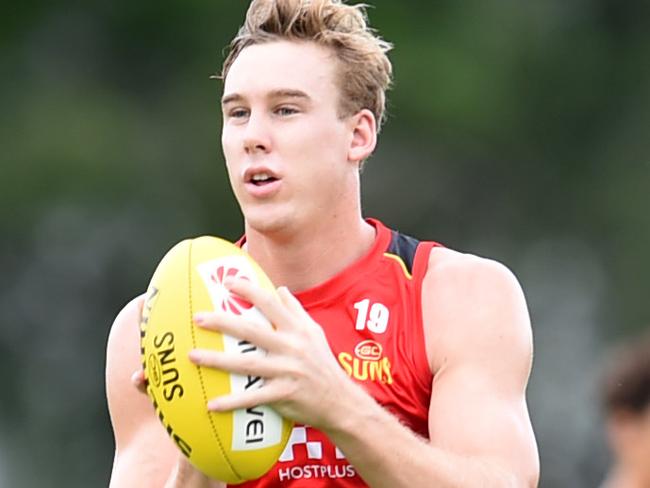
(364, 136)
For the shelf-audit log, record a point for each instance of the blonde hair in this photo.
(364, 73)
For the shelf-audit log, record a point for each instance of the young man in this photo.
(626, 398)
(439, 397)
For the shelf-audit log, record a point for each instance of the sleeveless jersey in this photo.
(371, 315)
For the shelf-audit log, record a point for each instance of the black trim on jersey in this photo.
(404, 246)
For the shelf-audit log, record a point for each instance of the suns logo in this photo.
(368, 363)
(227, 301)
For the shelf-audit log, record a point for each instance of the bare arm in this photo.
(480, 344)
(144, 455)
(480, 347)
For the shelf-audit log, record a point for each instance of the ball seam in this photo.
(205, 396)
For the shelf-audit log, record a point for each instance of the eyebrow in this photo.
(281, 93)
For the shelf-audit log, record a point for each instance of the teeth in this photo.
(260, 177)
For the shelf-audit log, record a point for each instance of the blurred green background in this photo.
(518, 130)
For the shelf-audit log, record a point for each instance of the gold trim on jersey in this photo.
(401, 263)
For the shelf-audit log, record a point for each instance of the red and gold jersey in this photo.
(371, 315)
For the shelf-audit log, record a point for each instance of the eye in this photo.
(238, 113)
(286, 111)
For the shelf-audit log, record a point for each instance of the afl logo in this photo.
(154, 370)
(229, 302)
(369, 350)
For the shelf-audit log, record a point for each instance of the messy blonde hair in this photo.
(364, 72)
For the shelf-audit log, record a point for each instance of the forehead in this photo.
(282, 65)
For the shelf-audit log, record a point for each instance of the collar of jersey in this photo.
(332, 288)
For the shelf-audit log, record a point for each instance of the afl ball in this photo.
(230, 446)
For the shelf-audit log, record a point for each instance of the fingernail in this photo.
(194, 356)
(214, 405)
(199, 318)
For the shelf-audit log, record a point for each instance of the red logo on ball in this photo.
(229, 302)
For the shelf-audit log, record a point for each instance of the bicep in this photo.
(472, 415)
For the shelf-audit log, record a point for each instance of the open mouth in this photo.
(261, 179)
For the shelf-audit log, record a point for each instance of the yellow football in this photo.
(229, 446)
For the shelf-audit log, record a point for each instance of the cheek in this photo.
(338, 139)
(226, 142)
(229, 146)
(325, 143)
(230, 159)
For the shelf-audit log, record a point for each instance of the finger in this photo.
(244, 364)
(139, 381)
(296, 310)
(289, 300)
(267, 395)
(265, 301)
(240, 328)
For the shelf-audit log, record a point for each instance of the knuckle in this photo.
(294, 345)
(290, 390)
(245, 331)
(315, 331)
(293, 369)
(248, 362)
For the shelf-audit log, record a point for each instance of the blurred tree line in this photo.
(517, 130)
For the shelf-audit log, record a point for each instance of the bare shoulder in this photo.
(122, 350)
(123, 344)
(455, 272)
(126, 405)
(474, 307)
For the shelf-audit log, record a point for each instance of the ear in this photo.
(364, 136)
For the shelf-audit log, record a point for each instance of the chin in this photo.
(269, 222)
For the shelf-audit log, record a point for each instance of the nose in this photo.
(257, 137)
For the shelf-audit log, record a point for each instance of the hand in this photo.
(303, 380)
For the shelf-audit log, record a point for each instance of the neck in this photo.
(310, 255)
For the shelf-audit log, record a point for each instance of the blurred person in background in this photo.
(304, 97)
(626, 400)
